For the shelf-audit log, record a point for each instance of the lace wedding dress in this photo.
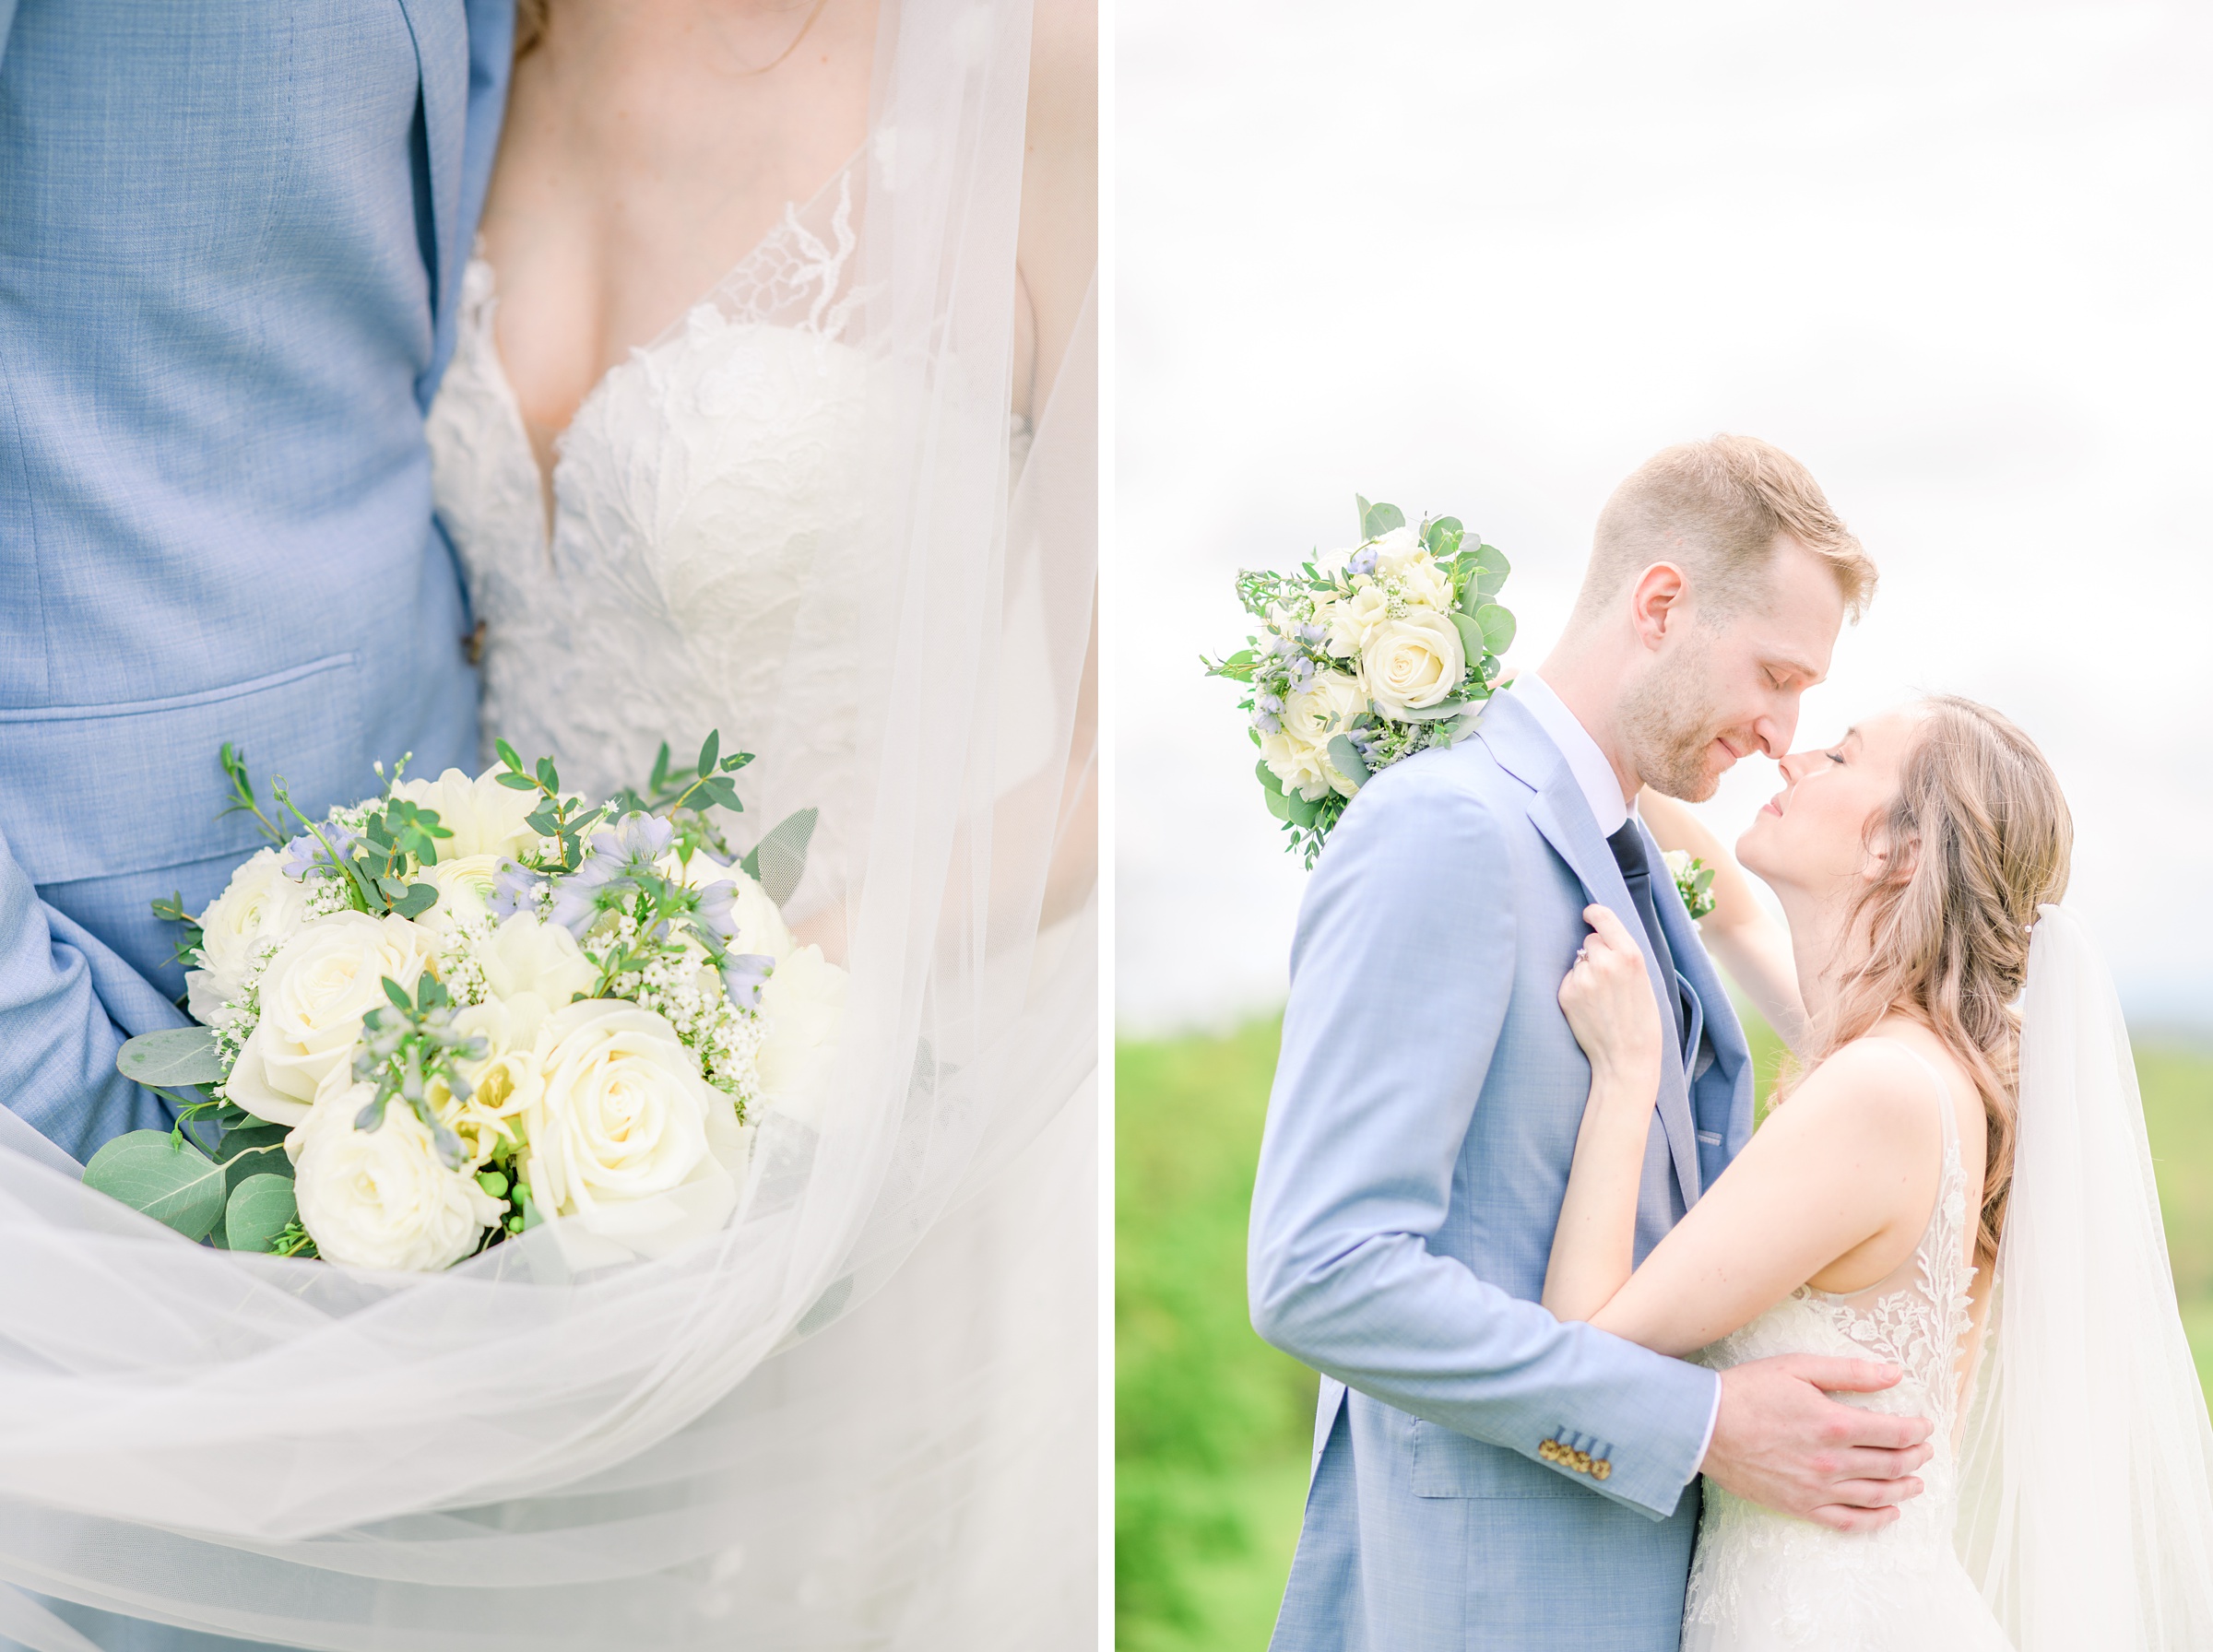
(705, 486)
(1765, 1582)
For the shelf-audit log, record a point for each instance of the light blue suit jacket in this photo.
(232, 242)
(1423, 1123)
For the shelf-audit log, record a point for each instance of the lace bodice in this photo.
(704, 498)
(1764, 1581)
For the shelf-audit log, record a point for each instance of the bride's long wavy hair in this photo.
(1979, 837)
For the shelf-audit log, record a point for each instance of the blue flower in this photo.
(717, 910)
(743, 974)
(303, 857)
(1362, 560)
(514, 890)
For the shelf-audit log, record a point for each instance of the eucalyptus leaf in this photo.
(1471, 636)
(1347, 760)
(1279, 805)
(1301, 812)
(1491, 571)
(1268, 778)
(259, 1208)
(1380, 519)
(173, 1182)
(172, 1058)
(419, 899)
(1498, 627)
(1361, 508)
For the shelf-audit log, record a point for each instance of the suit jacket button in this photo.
(1601, 1469)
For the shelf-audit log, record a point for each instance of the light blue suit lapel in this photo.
(441, 32)
(1560, 812)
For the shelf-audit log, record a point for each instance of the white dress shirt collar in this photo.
(1593, 774)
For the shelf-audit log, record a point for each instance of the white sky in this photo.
(1484, 259)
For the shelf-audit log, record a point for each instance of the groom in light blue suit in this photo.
(232, 240)
(1483, 1474)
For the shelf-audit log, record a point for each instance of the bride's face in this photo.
(1813, 835)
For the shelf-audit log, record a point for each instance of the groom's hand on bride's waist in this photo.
(1780, 1440)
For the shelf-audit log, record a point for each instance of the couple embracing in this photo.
(1602, 1367)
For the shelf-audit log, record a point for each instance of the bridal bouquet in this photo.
(430, 1020)
(1366, 656)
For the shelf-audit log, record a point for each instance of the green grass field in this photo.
(1214, 1427)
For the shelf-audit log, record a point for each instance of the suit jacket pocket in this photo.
(100, 791)
(1451, 1465)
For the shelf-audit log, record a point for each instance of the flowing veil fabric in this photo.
(861, 1416)
(2087, 1507)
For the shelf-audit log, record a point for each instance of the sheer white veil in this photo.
(865, 1414)
(2087, 1506)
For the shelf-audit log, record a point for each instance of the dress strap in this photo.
(1944, 1091)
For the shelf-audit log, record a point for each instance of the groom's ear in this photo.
(1658, 602)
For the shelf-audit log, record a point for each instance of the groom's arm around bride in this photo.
(1494, 1476)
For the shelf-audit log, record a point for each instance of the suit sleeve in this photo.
(66, 1005)
(1400, 976)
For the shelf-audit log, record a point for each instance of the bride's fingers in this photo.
(1609, 932)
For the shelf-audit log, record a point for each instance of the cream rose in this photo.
(485, 816)
(1412, 662)
(1352, 618)
(802, 1003)
(624, 1136)
(1298, 752)
(383, 1197)
(534, 969)
(259, 906)
(313, 994)
(464, 886)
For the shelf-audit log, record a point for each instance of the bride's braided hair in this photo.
(1979, 837)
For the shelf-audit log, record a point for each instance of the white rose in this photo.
(383, 1197)
(485, 816)
(534, 969)
(1412, 662)
(314, 995)
(464, 886)
(802, 1003)
(1298, 752)
(1423, 584)
(1396, 548)
(624, 1136)
(1353, 619)
(258, 906)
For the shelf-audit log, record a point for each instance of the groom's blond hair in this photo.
(1718, 510)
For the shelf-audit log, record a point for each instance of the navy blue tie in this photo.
(1637, 872)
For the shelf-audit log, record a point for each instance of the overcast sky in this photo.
(1484, 259)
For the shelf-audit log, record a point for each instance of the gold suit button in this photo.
(1601, 1469)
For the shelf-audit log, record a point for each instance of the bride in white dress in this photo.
(687, 457)
(1950, 1142)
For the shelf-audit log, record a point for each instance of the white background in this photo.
(1484, 259)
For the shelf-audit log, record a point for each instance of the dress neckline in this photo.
(484, 306)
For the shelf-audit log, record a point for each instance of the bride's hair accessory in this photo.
(1976, 842)
(1366, 656)
(426, 1018)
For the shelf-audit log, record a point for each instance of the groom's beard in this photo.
(1669, 722)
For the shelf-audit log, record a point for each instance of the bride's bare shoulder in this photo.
(1872, 1098)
